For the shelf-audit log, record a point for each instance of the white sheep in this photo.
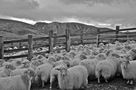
(1, 62)
(107, 68)
(54, 73)
(19, 82)
(18, 72)
(72, 78)
(6, 70)
(43, 72)
(129, 71)
(90, 64)
(132, 54)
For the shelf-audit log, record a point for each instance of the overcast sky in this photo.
(94, 12)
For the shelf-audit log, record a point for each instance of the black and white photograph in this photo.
(67, 44)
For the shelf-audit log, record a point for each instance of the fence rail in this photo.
(53, 40)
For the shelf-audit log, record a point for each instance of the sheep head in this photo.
(82, 57)
(101, 56)
(30, 73)
(109, 52)
(115, 55)
(1, 62)
(63, 71)
(124, 64)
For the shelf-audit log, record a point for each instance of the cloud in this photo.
(91, 2)
(18, 4)
(98, 12)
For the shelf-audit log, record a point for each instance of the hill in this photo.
(12, 29)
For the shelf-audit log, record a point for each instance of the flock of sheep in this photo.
(71, 70)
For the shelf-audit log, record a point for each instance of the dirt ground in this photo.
(115, 84)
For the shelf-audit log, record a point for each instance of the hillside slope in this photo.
(11, 29)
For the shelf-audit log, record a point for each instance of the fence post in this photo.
(1, 48)
(81, 37)
(98, 37)
(30, 47)
(68, 40)
(20, 45)
(55, 39)
(117, 32)
(127, 35)
(51, 41)
(12, 45)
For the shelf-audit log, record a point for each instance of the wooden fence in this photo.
(68, 40)
(30, 42)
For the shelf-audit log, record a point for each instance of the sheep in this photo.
(72, 78)
(90, 64)
(107, 68)
(19, 82)
(35, 63)
(1, 62)
(75, 62)
(129, 70)
(66, 62)
(9, 65)
(6, 70)
(16, 62)
(18, 72)
(54, 74)
(43, 71)
(132, 54)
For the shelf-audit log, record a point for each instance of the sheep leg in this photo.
(131, 82)
(85, 83)
(128, 82)
(98, 79)
(42, 83)
(51, 85)
(106, 80)
(29, 87)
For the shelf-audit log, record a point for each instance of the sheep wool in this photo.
(73, 78)
(54, 73)
(19, 82)
(18, 72)
(106, 68)
(129, 70)
(90, 64)
(43, 71)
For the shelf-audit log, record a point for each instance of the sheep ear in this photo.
(7, 66)
(128, 62)
(26, 72)
(58, 69)
(125, 66)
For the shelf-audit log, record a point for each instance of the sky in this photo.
(104, 13)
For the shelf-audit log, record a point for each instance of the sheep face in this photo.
(1, 62)
(124, 64)
(18, 63)
(101, 56)
(65, 58)
(63, 71)
(30, 73)
(58, 57)
(109, 52)
(115, 55)
(82, 57)
(51, 59)
(11, 67)
(72, 54)
(40, 57)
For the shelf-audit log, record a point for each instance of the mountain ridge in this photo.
(12, 29)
